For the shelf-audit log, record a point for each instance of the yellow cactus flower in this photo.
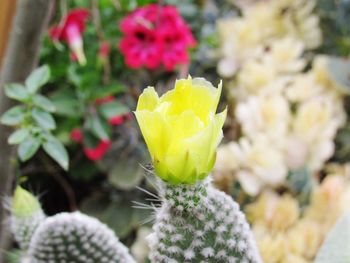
(181, 129)
(24, 204)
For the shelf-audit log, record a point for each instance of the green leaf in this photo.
(13, 116)
(112, 109)
(37, 78)
(126, 173)
(44, 103)
(56, 150)
(28, 148)
(18, 136)
(17, 92)
(66, 103)
(94, 123)
(118, 216)
(104, 91)
(336, 247)
(44, 119)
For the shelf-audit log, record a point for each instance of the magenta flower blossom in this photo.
(155, 36)
(70, 30)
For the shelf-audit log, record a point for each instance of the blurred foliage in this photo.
(335, 20)
(106, 188)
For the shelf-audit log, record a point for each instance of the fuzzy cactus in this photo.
(62, 238)
(198, 223)
(26, 216)
(75, 237)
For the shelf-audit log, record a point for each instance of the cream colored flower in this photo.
(261, 165)
(255, 75)
(276, 213)
(272, 248)
(285, 55)
(303, 87)
(299, 21)
(314, 128)
(330, 200)
(305, 238)
(268, 114)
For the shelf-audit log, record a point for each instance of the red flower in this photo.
(103, 100)
(70, 31)
(155, 35)
(76, 135)
(104, 50)
(103, 53)
(99, 151)
(116, 120)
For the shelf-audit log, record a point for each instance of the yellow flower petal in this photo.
(148, 100)
(155, 131)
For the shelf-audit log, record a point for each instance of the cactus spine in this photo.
(197, 223)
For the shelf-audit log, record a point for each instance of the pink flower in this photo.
(155, 35)
(70, 31)
(99, 151)
(76, 135)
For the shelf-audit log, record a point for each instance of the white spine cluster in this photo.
(76, 238)
(200, 224)
(23, 228)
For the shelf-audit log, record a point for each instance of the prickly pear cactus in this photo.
(197, 223)
(75, 237)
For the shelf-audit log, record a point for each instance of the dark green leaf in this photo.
(13, 116)
(28, 148)
(37, 78)
(18, 136)
(112, 109)
(56, 150)
(44, 119)
(17, 92)
(101, 92)
(96, 126)
(126, 173)
(118, 216)
(43, 102)
(66, 103)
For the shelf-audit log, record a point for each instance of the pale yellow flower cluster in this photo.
(261, 23)
(288, 121)
(288, 117)
(284, 234)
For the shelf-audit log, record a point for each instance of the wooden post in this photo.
(20, 59)
(7, 11)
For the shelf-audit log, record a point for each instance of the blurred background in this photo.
(285, 75)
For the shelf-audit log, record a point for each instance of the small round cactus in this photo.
(26, 216)
(76, 238)
(197, 223)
